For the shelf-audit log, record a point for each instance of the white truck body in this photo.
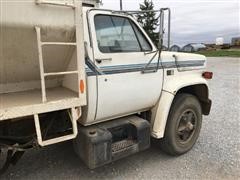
(96, 86)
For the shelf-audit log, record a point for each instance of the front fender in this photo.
(160, 114)
(183, 79)
(171, 86)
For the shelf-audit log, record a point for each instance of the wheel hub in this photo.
(186, 126)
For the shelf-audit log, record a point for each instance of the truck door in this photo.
(120, 47)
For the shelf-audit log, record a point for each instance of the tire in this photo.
(183, 125)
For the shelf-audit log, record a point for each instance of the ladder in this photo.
(40, 44)
(43, 74)
(76, 5)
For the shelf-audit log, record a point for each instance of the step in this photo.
(60, 73)
(121, 145)
(73, 117)
(124, 148)
(59, 43)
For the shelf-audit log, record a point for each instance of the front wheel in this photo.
(183, 125)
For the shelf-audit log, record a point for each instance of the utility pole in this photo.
(121, 5)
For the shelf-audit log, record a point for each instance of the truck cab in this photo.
(128, 77)
(119, 49)
(127, 70)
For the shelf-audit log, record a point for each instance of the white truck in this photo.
(71, 71)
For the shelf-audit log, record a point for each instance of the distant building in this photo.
(219, 41)
(175, 48)
(188, 48)
(235, 41)
(193, 47)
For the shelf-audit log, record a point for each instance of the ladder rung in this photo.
(60, 73)
(59, 43)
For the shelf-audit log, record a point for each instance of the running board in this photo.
(101, 144)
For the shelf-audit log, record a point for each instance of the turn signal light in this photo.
(82, 86)
(207, 75)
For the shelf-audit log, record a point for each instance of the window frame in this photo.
(131, 22)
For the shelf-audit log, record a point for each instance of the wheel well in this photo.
(201, 92)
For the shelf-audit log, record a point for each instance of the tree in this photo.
(148, 20)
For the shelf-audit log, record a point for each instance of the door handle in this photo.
(103, 59)
(145, 71)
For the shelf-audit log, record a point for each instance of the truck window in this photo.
(142, 39)
(116, 34)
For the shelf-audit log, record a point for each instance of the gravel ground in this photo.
(216, 154)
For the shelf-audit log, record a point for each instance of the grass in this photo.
(221, 53)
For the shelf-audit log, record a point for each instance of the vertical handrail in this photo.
(80, 44)
(40, 58)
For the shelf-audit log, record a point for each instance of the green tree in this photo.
(148, 20)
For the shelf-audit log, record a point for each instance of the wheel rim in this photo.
(186, 126)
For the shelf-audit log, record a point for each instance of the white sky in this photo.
(194, 20)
